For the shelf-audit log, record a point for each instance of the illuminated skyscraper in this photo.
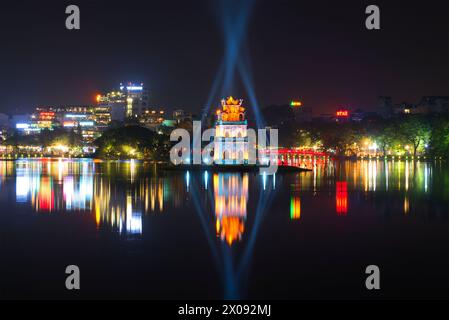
(136, 98)
(102, 115)
(127, 102)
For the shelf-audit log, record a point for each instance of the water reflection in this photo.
(295, 207)
(410, 179)
(229, 209)
(342, 197)
(63, 185)
(231, 197)
(82, 186)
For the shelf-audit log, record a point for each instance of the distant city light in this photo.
(69, 124)
(22, 126)
(86, 123)
(295, 103)
(75, 115)
(342, 113)
(134, 88)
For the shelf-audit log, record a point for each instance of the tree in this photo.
(416, 132)
(133, 142)
(387, 137)
(439, 140)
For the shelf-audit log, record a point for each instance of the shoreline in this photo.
(230, 168)
(352, 158)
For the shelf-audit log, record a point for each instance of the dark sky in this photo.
(318, 51)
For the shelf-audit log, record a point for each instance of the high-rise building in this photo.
(102, 113)
(136, 98)
(114, 103)
(102, 116)
(127, 102)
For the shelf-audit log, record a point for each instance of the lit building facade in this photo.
(180, 115)
(136, 98)
(152, 118)
(231, 138)
(80, 119)
(112, 103)
(127, 102)
(102, 115)
(44, 118)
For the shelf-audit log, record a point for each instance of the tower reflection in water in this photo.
(120, 194)
(83, 186)
(231, 198)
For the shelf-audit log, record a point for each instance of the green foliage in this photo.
(415, 132)
(439, 140)
(415, 135)
(133, 142)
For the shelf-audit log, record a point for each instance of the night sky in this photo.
(318, 51)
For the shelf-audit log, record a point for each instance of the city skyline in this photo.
(178, 51)
(227, 155)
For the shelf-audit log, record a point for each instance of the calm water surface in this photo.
(136, 231)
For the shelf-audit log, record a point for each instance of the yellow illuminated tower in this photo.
(231, 138)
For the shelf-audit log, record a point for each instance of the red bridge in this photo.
(296, 157)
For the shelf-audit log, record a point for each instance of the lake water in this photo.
(136, 231)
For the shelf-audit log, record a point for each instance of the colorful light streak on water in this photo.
(233, 210)
(231, 197)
